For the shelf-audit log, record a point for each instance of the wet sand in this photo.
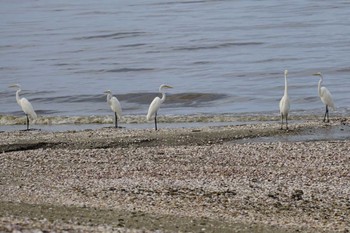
(243, 178)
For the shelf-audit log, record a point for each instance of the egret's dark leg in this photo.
(281, 121)
(286, 121)
(116, 119)
(155, 121)
(27, 121)
(327, 112)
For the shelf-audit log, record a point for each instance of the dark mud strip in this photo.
(195, 137)
(86, 216)
(26, 146)
(148, 139)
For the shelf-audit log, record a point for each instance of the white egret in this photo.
(115, 106)
(284, 102)
(25, 105)
(325, 95)
(155, 105)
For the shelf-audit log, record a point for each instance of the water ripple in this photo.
(217, 46)
(117, 35)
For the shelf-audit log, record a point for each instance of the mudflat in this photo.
(246, 178)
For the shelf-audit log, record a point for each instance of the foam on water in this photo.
(141, 119)
(129, 119)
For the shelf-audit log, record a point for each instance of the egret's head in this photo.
(317, 74)
(15, 86)
(285, 72)
(163, 87)
(108, 92)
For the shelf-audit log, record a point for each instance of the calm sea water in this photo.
(221, 57)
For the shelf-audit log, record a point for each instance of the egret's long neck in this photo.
(109, 97)
(17, 96)
(319, 85)
(285, 85)
(163, 97)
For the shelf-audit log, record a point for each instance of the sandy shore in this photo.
(247, 178)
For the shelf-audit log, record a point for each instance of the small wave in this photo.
(6, 46)
(98, 98)
(179, 2)
(143, 98)
(129, 70)
(276, 60)
(194, 99)
(7, 94)
(117, 35)
(181, 99)
(132, 45)
(216, 46)
(118, 70)
(344, 70)
(96, 12)
(202, 62)
(66, 64)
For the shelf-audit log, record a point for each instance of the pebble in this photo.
(284, 183)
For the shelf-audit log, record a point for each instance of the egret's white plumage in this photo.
(115, 106)
(26, 106)
(325, 95)
(155, 105)
(284, 102)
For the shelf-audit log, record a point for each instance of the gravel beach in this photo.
(245, 178)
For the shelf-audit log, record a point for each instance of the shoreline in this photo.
(167, 121)
(236, 178)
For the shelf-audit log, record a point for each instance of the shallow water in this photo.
(90, 126)
(336, 133)
(222, 57)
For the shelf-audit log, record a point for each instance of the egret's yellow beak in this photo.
(167, 86)
(13, 85)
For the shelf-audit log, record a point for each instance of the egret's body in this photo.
(284, 102)
(26, 106)
(155, 105)
(115, 106)
(326, 97)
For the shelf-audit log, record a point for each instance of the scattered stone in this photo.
(297, 195)
(173, 172)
